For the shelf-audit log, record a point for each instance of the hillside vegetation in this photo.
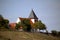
(16, 35)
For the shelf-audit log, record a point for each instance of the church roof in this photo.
(33, 15)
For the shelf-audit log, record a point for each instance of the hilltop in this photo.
(16, 35)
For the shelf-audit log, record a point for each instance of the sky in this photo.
(48, 11)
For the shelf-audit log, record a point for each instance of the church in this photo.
(32, 17)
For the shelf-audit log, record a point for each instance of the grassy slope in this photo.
(14, 35)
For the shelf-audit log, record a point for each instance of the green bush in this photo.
(3, 22)
(26, 25)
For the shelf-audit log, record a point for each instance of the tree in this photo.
(3, 22)
(26, 24)
(1, 17)
(39, 25)
(18, 25)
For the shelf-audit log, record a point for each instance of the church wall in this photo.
(33, 20)
(18, 20)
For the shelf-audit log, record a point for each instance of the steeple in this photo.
(33, 15)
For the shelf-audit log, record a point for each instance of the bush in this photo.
(58, 34)
(54, 32)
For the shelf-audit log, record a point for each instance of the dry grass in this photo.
(15, 35)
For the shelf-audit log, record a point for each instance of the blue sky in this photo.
(48, 11)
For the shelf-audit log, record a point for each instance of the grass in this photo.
(16, 35)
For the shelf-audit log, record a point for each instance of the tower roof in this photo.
(33, 15)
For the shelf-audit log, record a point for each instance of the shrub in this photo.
(58, 34)
(54, 32)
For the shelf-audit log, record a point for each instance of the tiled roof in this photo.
(12, 25)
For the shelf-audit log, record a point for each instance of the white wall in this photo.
(18, 20)
(33, 20)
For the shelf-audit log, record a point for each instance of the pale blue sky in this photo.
(48, 11)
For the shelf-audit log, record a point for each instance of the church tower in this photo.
(33, 17)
